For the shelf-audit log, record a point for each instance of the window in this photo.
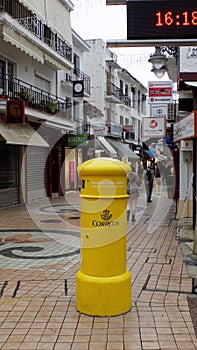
(42, 83)
(121, 120)
(76, 61)
(6, 71)
(126, 90)
(138, 101)
(121, 87)
(133, 96)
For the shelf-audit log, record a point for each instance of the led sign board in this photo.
(153, 19)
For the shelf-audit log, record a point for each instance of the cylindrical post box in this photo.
(103, 284)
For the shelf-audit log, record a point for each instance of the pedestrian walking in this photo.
(140, 172)
(148, 180)
(133, 192)
(169, 179)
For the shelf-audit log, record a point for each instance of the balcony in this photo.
(126, 100)
(34, 97)
(77, 74)
(113, 93)
(32, 23)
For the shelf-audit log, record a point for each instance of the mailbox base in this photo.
(103, 296)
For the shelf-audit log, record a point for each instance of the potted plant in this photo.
(25, 95)
(51, 107)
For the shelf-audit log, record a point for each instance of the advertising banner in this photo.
(159, 110)
(185, 128)
(153, 127)
(160, 92)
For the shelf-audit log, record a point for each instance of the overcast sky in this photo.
(92, 19)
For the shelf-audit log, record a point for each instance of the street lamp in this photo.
(158, 61)
(160, 71)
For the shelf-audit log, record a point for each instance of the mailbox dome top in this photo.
(104, 166)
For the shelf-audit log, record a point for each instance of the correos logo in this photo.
(105, 216)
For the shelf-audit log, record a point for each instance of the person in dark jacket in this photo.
(149, 180)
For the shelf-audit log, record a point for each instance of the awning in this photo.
(124, 150)
(107, 146)
(19, 41)
(24, 135)
(57, 62)
(191, 83)
(150, 153)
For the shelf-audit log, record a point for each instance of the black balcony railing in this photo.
(35, 97)
(113, 90)
(30, 21)
(126, 100)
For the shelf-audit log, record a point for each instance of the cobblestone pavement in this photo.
(39, 258)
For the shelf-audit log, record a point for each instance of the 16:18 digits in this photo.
(169, 19)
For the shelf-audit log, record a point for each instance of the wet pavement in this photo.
(39, 258)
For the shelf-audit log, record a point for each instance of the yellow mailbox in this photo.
(103, 284)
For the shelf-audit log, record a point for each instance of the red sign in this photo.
(16, 111)
(160, 92)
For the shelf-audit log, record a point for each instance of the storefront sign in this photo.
(153, 127)
(16, 111)
(160, 92)
(114, 129)
(102, 131)
(78, 88)
(186, 145)
(159, 110)
(75, 140)
(185, 128)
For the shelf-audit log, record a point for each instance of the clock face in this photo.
(161, 19)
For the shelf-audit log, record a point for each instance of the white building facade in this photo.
(47, 128)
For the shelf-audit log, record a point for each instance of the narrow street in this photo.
(39, 258)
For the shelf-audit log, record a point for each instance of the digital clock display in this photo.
(164, 19)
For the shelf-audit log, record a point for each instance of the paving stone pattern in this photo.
(37, 284)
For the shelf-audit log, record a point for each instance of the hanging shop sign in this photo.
(75, 140)
(160, 92)
(100, 130)
(78, 88)
(159, 110)
(185, 128)
(153, 127)
(114, 129)
(16, 111)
